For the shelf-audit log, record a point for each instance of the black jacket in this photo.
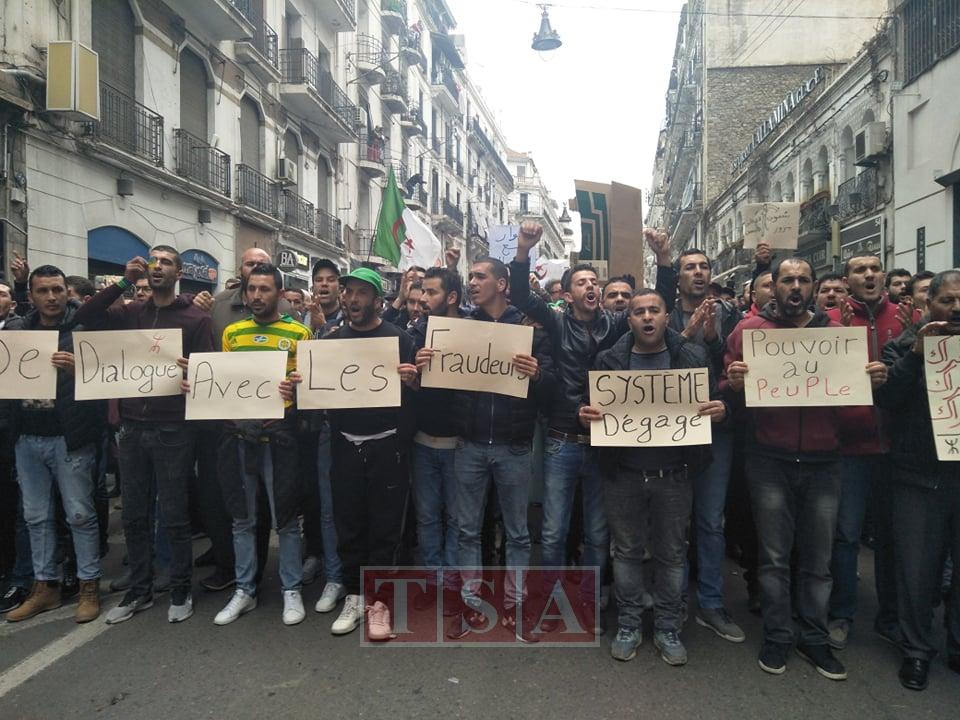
(913, 451)
(490, 418)
(683, 354)
(82, 421)
(434, 407)
(575, 344)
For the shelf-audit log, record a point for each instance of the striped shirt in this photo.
(283, 334)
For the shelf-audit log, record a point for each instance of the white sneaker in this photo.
(350, 617)
(331, 595)
(292, 607)
(239, 604)
(179, 613)
(378, 622)
(311, 569)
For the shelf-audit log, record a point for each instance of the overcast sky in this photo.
(593, 110)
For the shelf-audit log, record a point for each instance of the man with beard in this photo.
(369, 475)
(761, 292)
(831, 289)
(896, 282)
(581, 331)
(864, 468)
(926, 491)
(794, 477)
(617, 293)
(414, 311)
(700, 319)
(434, 447)
(156, 446)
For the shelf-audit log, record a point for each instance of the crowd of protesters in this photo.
(791, 492)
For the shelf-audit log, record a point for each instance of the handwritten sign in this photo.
(127, 363)
(236, 386)
(807, 367)
(355, 373)
(477, 356)
(942, 371)
(650, 408)
(25, 369)
(776, 224)
(502, 240)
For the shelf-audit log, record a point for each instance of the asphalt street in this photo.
(51, 668)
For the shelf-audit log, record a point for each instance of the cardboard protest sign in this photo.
(127, 363)
(807, 367)
(477, 356)
(650, 408)
(236, 385)
(355, 373)
(942, 371)
(26, 372)
(776, 224)
(502, 240)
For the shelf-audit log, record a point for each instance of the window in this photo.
(193, 95)
(114, 34)
(291, 151)
(931, 31)
(524, 202)
(521, 172)
(250, 134)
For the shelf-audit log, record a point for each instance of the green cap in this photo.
(364, 274)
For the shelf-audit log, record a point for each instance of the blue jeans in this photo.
(435, 498)
(509, 468)
(332, 567)
(43, 466)
(709, 499)
(245, 532)
(22, 574)
(564, 465)
(856, 480)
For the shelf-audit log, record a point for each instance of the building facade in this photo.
(229, 124)
(531, 200)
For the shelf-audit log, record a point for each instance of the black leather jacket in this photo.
(576, 345)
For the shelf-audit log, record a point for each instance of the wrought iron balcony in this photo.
(373, 157)
(256, 191)
(401, 173)
(128, 125)
(453, 212)
(372, 60)
(411, 47)
(491, 150)
(411, 122)
(199, 161)
(261, 50)
(445, 86)
(393, 91)
(297, 212)
(858, 194)
(394, 14)
(301, 69)
(815, 216)
(329, 228)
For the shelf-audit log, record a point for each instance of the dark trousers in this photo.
(663, 505)
(307, 446)
(370, 484)
(924, 521)
(884, 551)
(795, 507)
(214, 517)
(156, 460)
(9, 499)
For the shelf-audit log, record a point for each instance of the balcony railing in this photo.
(300, 66)
(400, 172)
(256, 191)
(815, 215)
(394, 84)
(297, 212)
(395, 6)
(443, 75)
(202, 163)
(453, 212)
(491, 149)
(410, 42)
(373, 149)
(858, 194)
(422, 196)
(370, 50)
(244, 6)
(329, 228)
(129, 126)
(265, 41)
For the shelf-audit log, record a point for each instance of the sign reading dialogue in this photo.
(127, 363)
(942, 370)
(356, 373)
(807, 367)
(652, 408)
(477, 356)
(26, 372)
(236, 385)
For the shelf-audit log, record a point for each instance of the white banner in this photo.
(127, 363)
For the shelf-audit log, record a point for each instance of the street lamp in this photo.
(547, 38)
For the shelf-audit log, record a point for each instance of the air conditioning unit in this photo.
(361, 121)
(870, 142)
(73, 80)
(286, 172)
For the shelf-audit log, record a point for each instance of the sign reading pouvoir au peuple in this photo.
(776, 224)
(127, 363)
(650, 408)
(942, 372)
(808, 367)
(477, 356)
(26, 372)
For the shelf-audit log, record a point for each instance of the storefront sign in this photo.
(818, 255)
(864, 238)
(290, 259)
(199, 266)
(779, 114)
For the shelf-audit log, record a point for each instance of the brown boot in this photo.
(45, 595)
(89, 606)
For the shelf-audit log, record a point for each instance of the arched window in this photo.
(847, 154)
(806, 180)
(193, 95)
(113, 28)
(250, 126)
(788, 190)
(291, 151)
(821, 176)
(777, 193)
(323, 183)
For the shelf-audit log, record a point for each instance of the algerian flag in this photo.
(421, 246)
(391, 231)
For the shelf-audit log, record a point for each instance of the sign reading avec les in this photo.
(807, 367)
(236, 386)
(127, 363)
(477, 356)
(26, 372)
(942, 371)
(355, 373)
(650, 408)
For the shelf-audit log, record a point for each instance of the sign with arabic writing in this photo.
(776, 224)
(942, 371)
